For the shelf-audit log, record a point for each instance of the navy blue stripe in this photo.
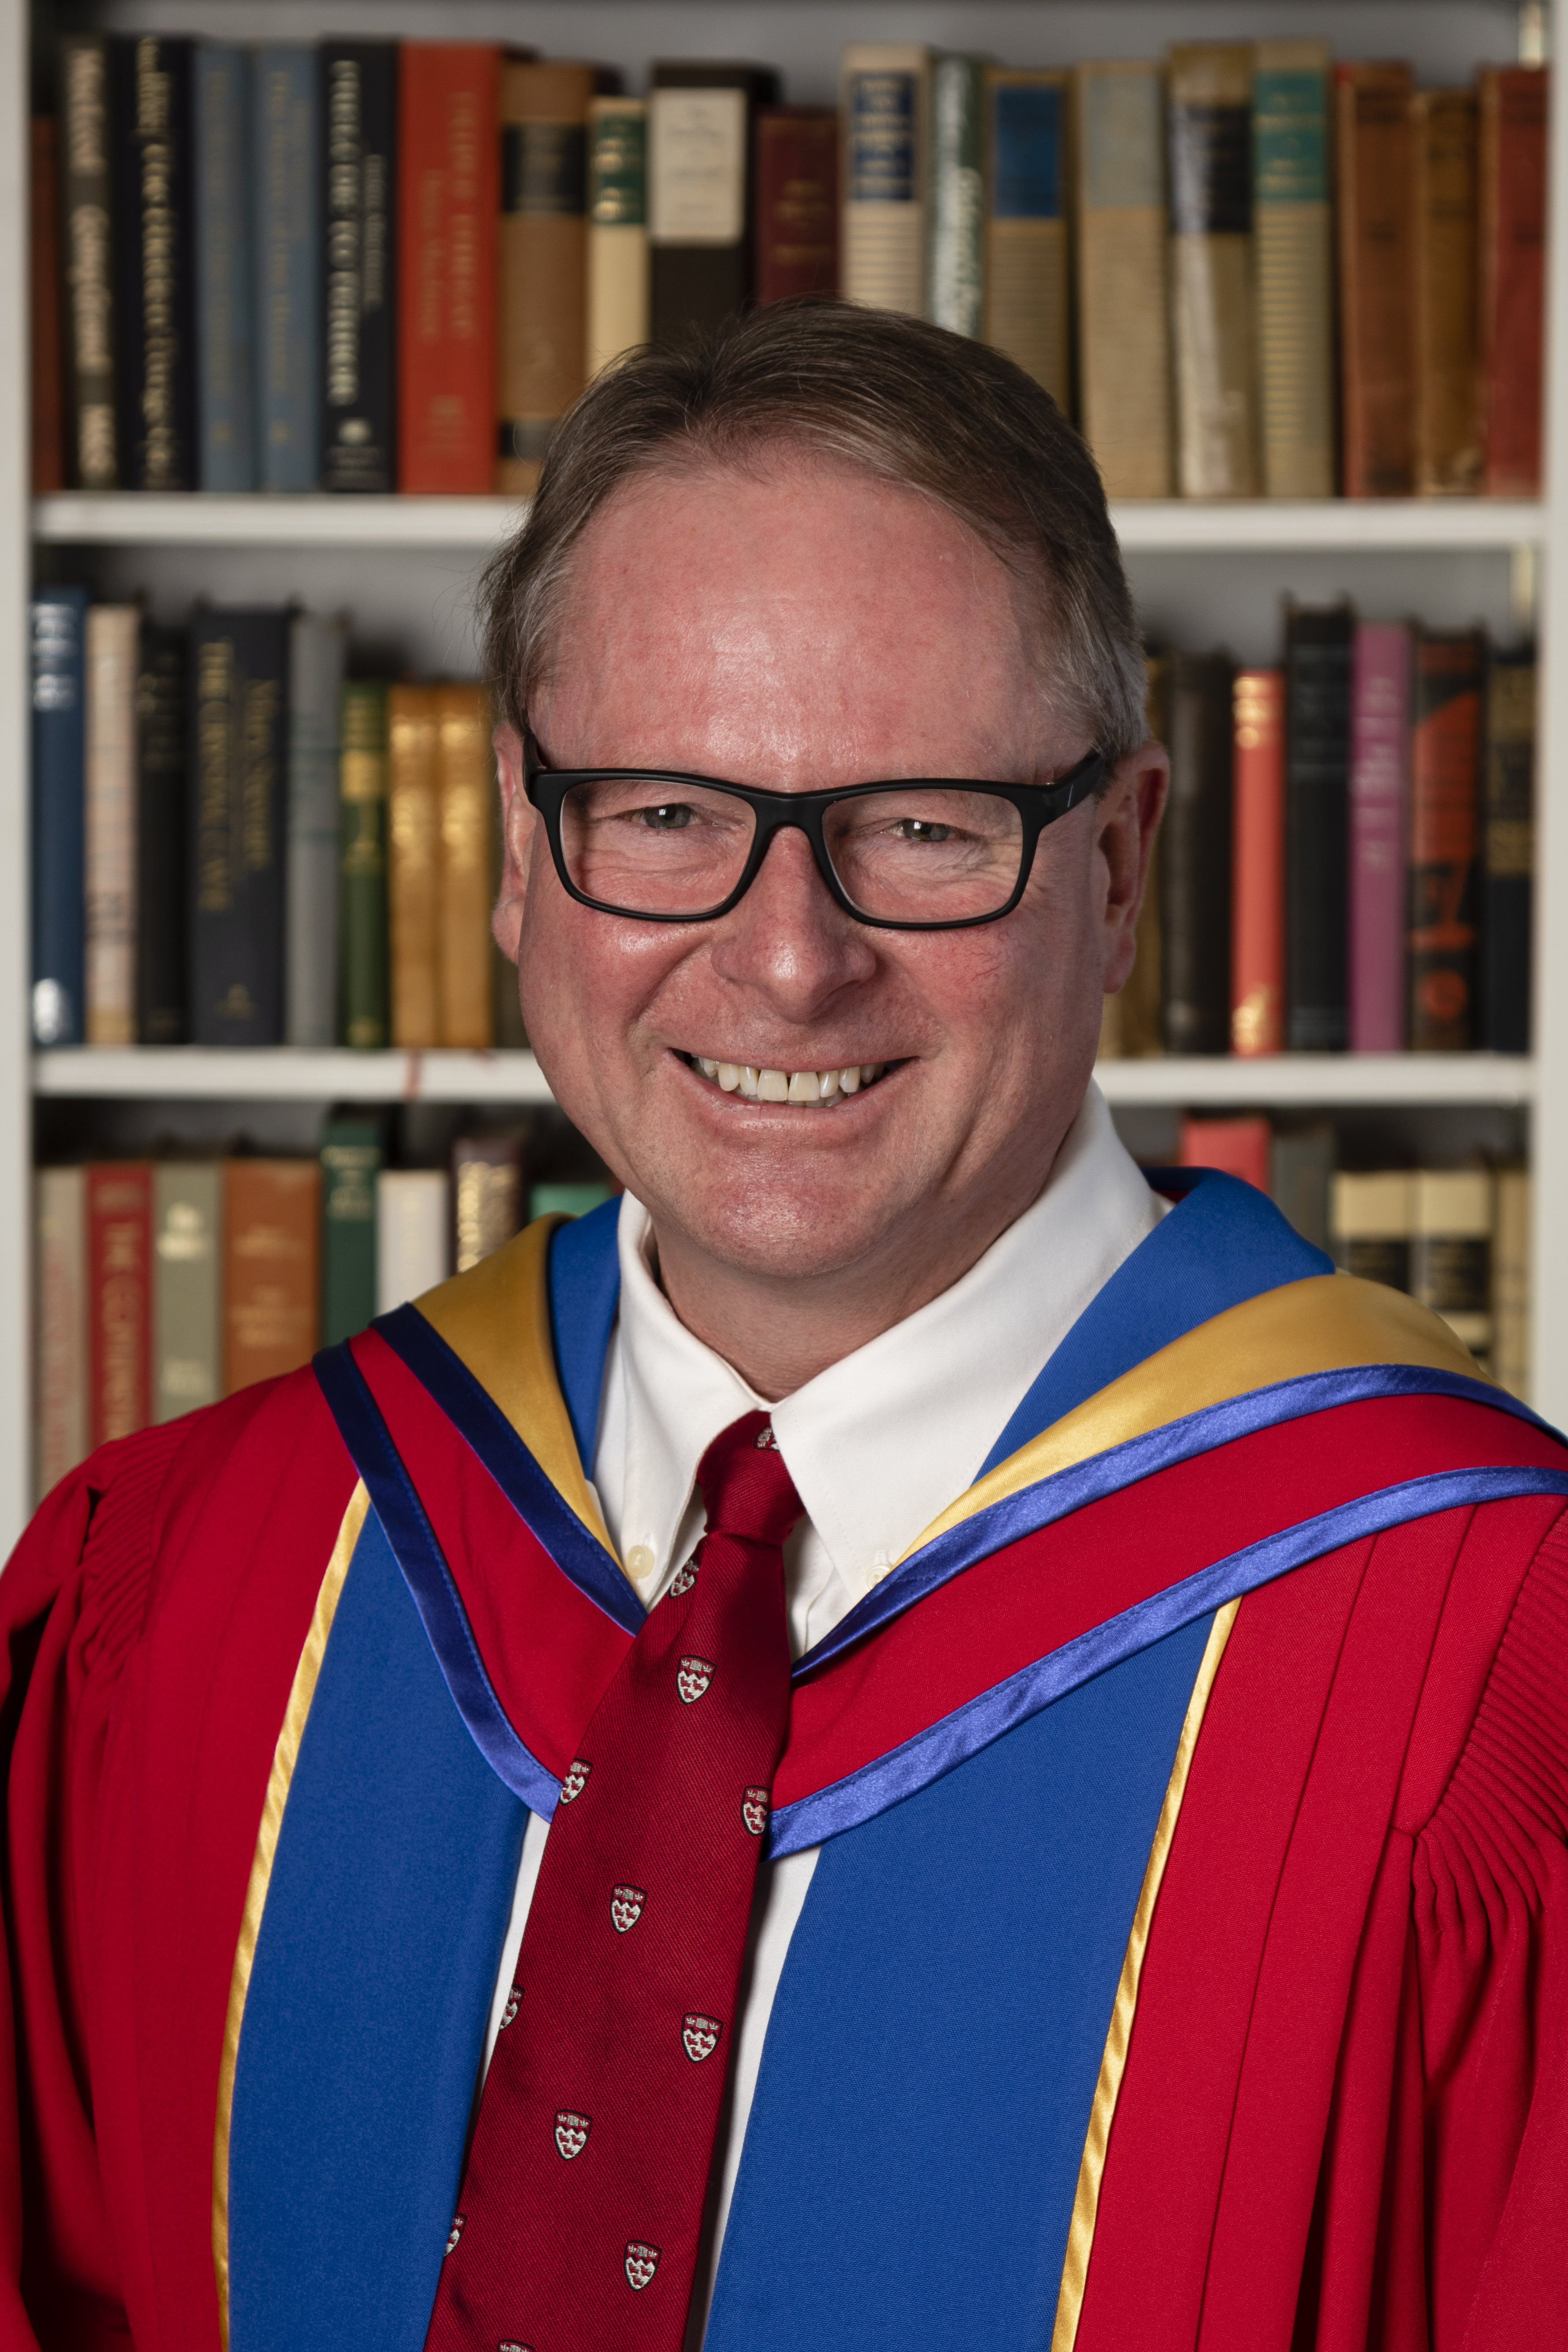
(476, 1416)
(584, 1289)
(429, 1580)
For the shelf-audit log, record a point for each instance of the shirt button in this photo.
(641, 1563)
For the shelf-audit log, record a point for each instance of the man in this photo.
(899, 1741)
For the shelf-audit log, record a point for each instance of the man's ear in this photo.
(519, 823)
(1127, 820)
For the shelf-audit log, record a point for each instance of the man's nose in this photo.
(787, 939)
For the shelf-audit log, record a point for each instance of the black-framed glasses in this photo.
(930, 854)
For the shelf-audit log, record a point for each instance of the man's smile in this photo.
(812, 1089)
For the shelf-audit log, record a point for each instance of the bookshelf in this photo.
(1204, 573)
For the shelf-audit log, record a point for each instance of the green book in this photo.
(187, 1331)
(351, 1153)
(955, 282)
(362, 868)
(1293, 261)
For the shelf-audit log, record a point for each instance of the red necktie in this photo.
(581, 2209)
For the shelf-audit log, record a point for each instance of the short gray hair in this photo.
(903, 402)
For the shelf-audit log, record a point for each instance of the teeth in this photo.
(749, 1082)
(709, 1069)
(850, 1080)
(727, 1075)
(805, 1086)
(773, 1085)
(799, 1086)
(831, 1083)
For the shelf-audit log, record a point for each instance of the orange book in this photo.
(119, 1298)
(413, 864)
(1258, 864)
(271, 1225)
(47, 387)
(468, 788)
(542, 267)
(1447, 446)
(1239, 1146)
(448, 197)
(1377, 278)
(1445, 748)
(1512, 276)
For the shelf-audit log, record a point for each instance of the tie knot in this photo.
(747, 1488)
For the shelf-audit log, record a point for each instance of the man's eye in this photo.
(669, 817)
(920, 828)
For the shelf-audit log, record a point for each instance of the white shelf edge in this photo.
(1328, 1080)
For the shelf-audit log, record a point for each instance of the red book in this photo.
(797, 202)
(1240, 1147)
(448, 205)
(119, 1298)
(1380, 751)
(1512, 277)
(1258, 864)
(47, 385)
(1444, 838)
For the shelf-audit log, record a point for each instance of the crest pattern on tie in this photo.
(581, 2205)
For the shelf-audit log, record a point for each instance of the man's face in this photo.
(801, 630)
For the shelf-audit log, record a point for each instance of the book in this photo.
(1195, 861)
(448, 162)
(46, 384)
(1141, 998)
(1443, 136)
(1377, 279)
(702, 233)
(161, 707)
(573, 1200)
(1379, 794)
(187, 1299)
(154, 252)
(357, 270)
(226, 300)
(60, 1351)
(1371, 1218)
(1028, 283)
(317, 651)
(362, 1007)
(109, 823)
(352, 1154)
(238, 763)
(1318, 649)
(1123, 306)
(1301, 1171)
(58, 627)
(886, 114)
(1450, 1252)
(1512, 1288)
(412, 1234)
(1293, 241)
(486, 1196)
(1238, 1146)
(468, 788)
(120, 1301)
(413, 865)
(1257, 865)
(1508, 853)
(86, 254)
(618, 267)
(271, 1275)
(1512, 276)
(956, 224)
(797, 202)
(542, 251)
(286, 159)
(1212, 269)
(1445, 825)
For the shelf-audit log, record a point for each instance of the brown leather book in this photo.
(271, 1229)
(1195, 856)
(1140, 1025)
(1377, 279)
(467, 771)
(797, 201)
(49, 384)
(1212, 301)
(542, 261)
(1447, 446)
(413, 871)
(1512, 208)
(1444, 838)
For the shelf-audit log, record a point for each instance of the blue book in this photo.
(226, 363)
(286, 163)
(58, 627)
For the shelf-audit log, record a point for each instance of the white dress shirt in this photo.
(878, 1445)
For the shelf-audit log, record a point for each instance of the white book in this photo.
(617, 229)
(114, 649)
(886, 144)
(59, 1397)
(412, 1234)
(317, 647)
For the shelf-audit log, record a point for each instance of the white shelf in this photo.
(1327, 1079)
(199, 518)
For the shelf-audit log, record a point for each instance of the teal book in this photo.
(353, 1150)
(955, 244)
(1292, 248)
(286, 168)
(1028, 308)
(225, 365)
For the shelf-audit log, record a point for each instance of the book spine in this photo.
(1444, 792)
(1514, 107)
(468, 788)
(1123, 304)
(1377, 279)
(350, 1163)
(413, 881)
(543, 253)
(155, 255)
(161, 705)
(1301, 1171)
(187, 1318)
(1238, 1146)
(1508, 853)
(1143, 996)
(87, 255)
(886, 108)
(1450, 1252)
(226, 360)
(1511, 1287)
(699, 188)
(286, 154)
(362, 868)
(412, 1234)
(1318, 648)
(1293, 233)
(60, 1376)
(1370, 1219)
(272, 1270)
(1211, 268)
(58, 748)
(46, 384)
(1380, 743)
(239, 679)
(358, 265)
(1195, 866)
(797, 202)
(448, 196)
(486, 1196)
(956, 228)
(1443, 135)
(1028, 306)
(119, 1303)
(317, 647)
(1257, 865)
(617, 267)
(108, 822)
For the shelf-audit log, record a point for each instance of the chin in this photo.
(780, 1231)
